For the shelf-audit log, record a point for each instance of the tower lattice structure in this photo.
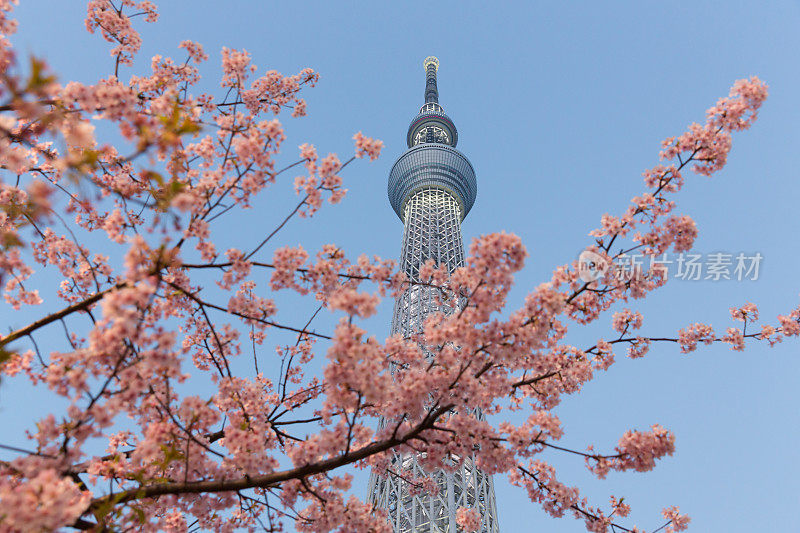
(432, 187)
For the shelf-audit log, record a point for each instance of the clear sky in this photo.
(560, 106)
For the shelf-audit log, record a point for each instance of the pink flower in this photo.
(639, 450)
(735, 338)
(116, 26)
(308, 152)
(16, 363)
(235, 66)
(790, 326)
(367, 146)
(195, 51)
(611, 226)
(80, 135)
(184, 201)
(353, 303)
(770, 334)
(677, 521)
(690, 336)
(746, 313)
(45, 502)
(638, 347)
(625, 319)
(619, 507)
(468, 519)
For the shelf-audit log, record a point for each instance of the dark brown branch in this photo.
(269, 480)
(58, 315)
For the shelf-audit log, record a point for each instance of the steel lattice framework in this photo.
(431, 188)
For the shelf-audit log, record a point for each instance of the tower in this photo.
(432, 187)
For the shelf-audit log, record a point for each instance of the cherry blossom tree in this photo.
(149, 300)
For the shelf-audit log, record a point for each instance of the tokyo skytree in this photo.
(432, 187)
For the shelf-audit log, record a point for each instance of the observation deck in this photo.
(432, 165)
(432, 160)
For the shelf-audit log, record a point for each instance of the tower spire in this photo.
(431, 125)
(431, 65)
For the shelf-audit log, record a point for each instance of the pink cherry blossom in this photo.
(367, 146)
(469, 520)
(689, 337)
(45, 502)
(626, 319)
(678, 522)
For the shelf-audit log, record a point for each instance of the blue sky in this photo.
(560, 106)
